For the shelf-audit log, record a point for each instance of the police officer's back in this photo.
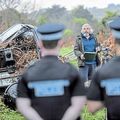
(53, 89)
(106, 81)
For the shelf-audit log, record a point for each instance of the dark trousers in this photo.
(87, 71)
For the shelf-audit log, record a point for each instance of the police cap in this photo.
(51, 31)
(115, 27)
(115, 24)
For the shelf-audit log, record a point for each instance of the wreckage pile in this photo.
(107, 46)
(17, 53)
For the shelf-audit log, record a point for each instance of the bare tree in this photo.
(25, 7)
(7, 7)
(5, 4)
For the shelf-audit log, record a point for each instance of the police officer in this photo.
(50, 89)
(105, 87)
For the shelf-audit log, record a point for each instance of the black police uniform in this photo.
(105, 86)
(50, 84)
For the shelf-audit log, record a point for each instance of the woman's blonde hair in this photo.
(86, 25)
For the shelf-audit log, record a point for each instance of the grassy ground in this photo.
(64, 51)
(100, 115)
(7, 114)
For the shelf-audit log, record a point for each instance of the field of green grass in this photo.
(64, 51)
(7, 114)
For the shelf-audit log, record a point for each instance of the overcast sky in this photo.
(69, 4)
